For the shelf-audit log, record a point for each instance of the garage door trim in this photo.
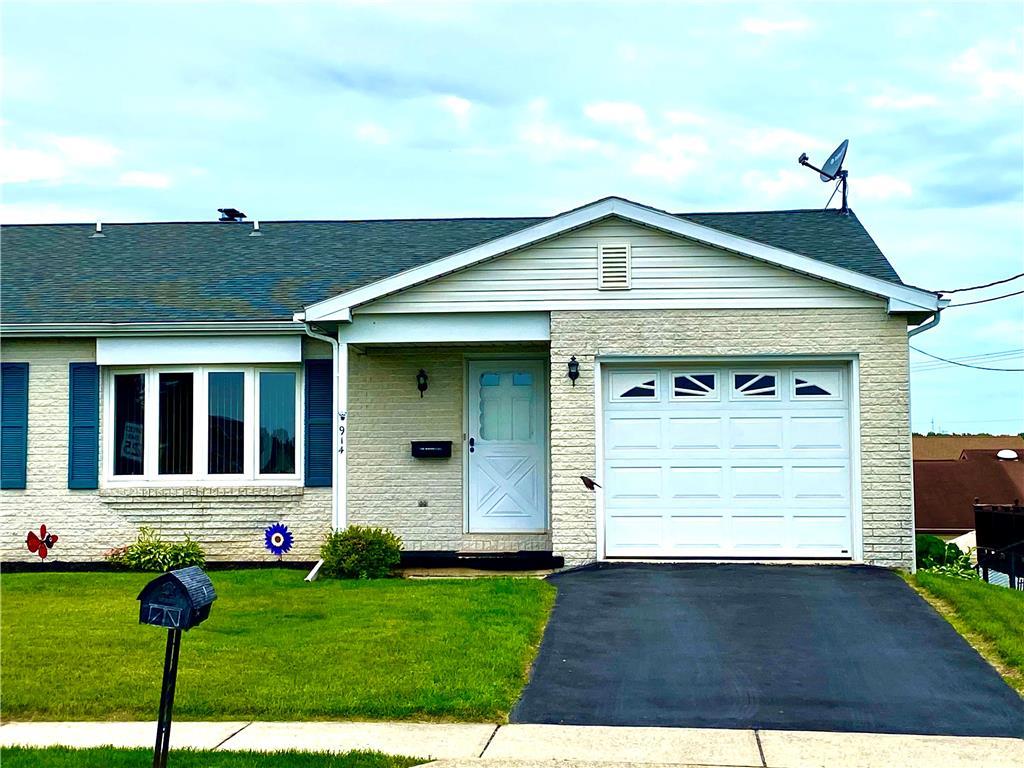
(852, 360)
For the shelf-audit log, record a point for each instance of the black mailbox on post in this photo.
(177, 600)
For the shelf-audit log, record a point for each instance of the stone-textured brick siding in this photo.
(228, 522)
(385, 484)
(879, 340)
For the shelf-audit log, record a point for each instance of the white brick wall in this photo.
(385, 484)
(879, 339)
(228, 522)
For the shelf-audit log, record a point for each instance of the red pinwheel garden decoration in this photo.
(41, 544)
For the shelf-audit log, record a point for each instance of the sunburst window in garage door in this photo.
(817, 384)
(634, 385)
(762, 385)
(694, 386)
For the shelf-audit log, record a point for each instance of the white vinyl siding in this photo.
(563, 273)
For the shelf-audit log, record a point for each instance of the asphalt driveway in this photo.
(751, 646)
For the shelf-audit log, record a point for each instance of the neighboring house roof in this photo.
(945, 490)
(213, 271)
(950, 447)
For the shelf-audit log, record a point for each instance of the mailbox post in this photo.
(177, 600)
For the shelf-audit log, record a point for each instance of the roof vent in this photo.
(614, 266)
(255, 229)
(1007, 455)
(230, 214)
(99, 231)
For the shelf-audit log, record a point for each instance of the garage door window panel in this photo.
(633, 386)
(695, 386)
(823, 384)
(758, 385)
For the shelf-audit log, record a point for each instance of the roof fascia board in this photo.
(25, 330)
(332, 309)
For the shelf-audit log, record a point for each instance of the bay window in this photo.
(222, 425)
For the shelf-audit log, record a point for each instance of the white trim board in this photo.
(213, 350)
(451, 327)
(901, 298)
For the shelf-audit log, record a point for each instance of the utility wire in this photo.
(986, 285)
(963, 365)
(983, 301)
(927, 365)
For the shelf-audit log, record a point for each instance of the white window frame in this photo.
(714, 397)
(807, 373)
(643, 375)
(200, 428)
(736, 395)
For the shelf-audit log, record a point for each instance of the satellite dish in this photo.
(832, 170)
(834, 164)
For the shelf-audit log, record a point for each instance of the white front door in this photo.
(506, 446)
(725, 461)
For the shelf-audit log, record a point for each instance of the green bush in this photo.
(360, 553)
(936, 556)
(151, 553)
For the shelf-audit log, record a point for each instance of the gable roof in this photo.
(945, 490)
(212, 271)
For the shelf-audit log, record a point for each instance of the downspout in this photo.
(311, 576)
(936, 318)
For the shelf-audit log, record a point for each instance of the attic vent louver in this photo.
(614, 266)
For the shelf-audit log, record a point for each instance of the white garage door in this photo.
(720, 461)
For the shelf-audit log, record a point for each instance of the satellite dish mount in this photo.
(833, 170)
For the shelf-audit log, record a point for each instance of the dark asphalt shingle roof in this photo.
(191, 271)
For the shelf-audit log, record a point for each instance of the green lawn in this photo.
(62, 757)
(990, 617)
(274, 647)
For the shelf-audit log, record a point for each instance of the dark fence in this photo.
(1000, 532)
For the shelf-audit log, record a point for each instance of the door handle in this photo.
(472, 444)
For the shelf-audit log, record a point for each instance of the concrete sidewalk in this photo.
(469, 745)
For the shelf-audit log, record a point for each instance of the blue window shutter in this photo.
(13, 424)
(83, 425)
(319, 427)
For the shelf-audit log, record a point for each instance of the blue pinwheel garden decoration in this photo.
(278, 539)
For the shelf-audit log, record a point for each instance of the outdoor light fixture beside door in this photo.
(421, 381)
(574, 370)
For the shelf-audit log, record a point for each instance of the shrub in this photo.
(360, 553)
(151, 553)
(936, 556)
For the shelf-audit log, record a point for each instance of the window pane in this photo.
(129, 407)
(175, 454)
(227, 427)
(277, 423)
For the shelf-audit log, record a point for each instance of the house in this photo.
(945, 486)
(735, 383)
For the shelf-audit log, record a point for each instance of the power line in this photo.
(986, 285)
(928, 365)
(964, 365)
(983, 301)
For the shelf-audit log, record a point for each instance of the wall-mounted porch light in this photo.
(421, 381)
(574, 370)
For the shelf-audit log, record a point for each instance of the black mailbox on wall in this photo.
(177, 600)
(432, 449)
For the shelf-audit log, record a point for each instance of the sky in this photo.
(168, 111)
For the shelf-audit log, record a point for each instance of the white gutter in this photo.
(926, 326)
(16, 330)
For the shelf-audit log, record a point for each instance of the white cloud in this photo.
(57, 158)
(673, 157)
(769, 27)
(880, 187)
(372, 133)
(144, 179)
(542, 133)
(781, 183)
(458, 107)
(895, 101)
(18, 165)
(777, 141)
(83, 152)
(993, 80)
(623, 114)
